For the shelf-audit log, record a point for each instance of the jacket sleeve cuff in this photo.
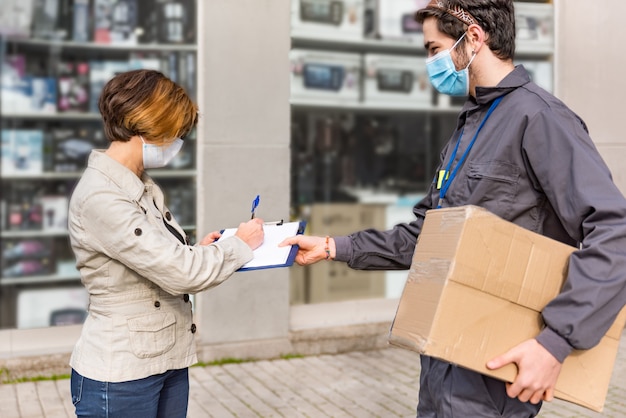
(555, 344)
(343, 248)
(237, 250)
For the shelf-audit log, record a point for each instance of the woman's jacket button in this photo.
(138, 231)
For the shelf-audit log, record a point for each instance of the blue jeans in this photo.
(164, 395)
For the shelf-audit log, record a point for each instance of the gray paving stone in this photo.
(370, 384)
(9, 407)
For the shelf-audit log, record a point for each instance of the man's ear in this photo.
(476, 37)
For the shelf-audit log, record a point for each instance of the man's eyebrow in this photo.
(427, 45)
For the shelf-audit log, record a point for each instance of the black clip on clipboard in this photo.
(267, 256)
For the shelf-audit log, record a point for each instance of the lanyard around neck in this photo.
(447, 176)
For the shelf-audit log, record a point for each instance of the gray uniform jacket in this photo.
(138, 275)
(535, 165)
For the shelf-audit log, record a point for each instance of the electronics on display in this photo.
(329, 19)
(535, 27)
(395, 20)
(394, 80)
(325, 77)
(55, 57)
(330, 12)
(398, 81)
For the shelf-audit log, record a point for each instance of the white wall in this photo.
(589, 73)
(244, 151)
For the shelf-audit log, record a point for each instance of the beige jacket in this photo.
(138, 275)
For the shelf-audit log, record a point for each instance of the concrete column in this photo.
(589, 72)
(244, 138)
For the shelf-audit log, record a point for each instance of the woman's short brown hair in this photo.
(146, 103)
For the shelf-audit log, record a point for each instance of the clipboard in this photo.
(269, 255)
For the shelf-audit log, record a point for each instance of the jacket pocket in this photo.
(497, 171)
(152, 335)
(493, 185)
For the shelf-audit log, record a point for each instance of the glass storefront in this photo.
(367, 127)
(56, 57)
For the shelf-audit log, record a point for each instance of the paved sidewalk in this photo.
(378, 383)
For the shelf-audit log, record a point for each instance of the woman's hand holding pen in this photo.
(311, 249)
(210, 238)
(251, 232)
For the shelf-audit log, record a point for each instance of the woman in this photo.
(135, 260)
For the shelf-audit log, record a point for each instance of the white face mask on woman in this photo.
(157, 156)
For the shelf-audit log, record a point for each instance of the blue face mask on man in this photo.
(444, 75)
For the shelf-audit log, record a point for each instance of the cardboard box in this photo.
(476, 287)
(332, 282)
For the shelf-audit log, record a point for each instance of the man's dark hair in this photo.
(495, 17)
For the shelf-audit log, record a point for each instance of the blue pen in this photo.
(255, 204)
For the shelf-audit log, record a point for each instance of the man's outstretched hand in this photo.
(311, 249)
